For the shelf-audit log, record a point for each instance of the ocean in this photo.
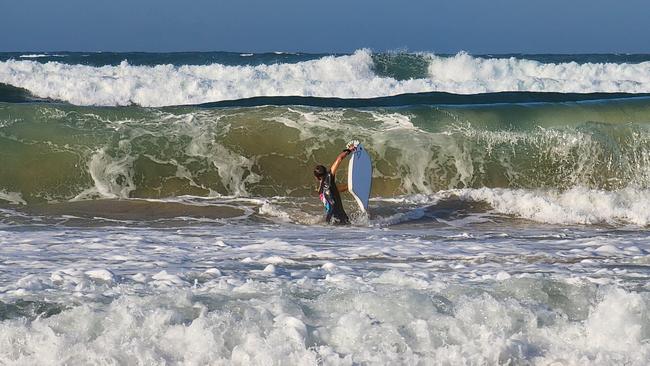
(160, 209)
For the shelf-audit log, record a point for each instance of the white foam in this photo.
(39, 55)
(112, 177)
(139, 277)
(68, 276)
(276, 259)
(608, 249)
(384, 324)
(26, 285)
(573, 206)
(618, 322)
(269, 269)
(391, 121)
(344, 76)
(164, 279)
(468, 75)
(101, 274)
(410, 215)
(349, 76)
(214, 272)
(269, 209)
(235, 171)
(502, 275)
(324, 295)
(112, 170)
(15, 198)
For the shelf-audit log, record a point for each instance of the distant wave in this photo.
(39, 55)
(12, 94)
(349, 76)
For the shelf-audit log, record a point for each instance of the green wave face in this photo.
(12, 94)
(53, 152)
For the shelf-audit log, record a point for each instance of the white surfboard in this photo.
(360, 176)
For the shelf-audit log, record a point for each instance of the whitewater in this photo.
(159, 209)
(347, 76)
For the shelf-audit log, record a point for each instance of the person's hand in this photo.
(352, 145)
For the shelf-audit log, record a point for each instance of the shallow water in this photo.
(475, 289)
(505, 228)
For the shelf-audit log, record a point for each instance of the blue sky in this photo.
(477, 26)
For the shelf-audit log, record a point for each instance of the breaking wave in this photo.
(57, 152)
(358, 75)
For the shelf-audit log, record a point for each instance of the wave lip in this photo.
(347, 77)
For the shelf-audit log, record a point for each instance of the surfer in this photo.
(329, 192)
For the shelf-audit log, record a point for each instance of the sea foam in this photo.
(466, 74)
(577, 205)
(386, 323)
(318, 295)
(12, 197)
(349, 76)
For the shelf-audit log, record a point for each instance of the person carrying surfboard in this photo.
(329, 192)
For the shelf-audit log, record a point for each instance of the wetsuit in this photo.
(329, 195)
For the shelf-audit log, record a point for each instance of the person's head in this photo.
(320, 172)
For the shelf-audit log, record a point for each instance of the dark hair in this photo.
(320, 171)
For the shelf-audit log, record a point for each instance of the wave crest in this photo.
(349, 76)
(466, 74)
(577, 205)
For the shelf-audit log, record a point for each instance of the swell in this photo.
(12, 94)
(432, 98)
(57, 152)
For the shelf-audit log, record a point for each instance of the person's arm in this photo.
(343, 187)
(338, 160)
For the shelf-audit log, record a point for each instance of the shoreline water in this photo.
(504, 228)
